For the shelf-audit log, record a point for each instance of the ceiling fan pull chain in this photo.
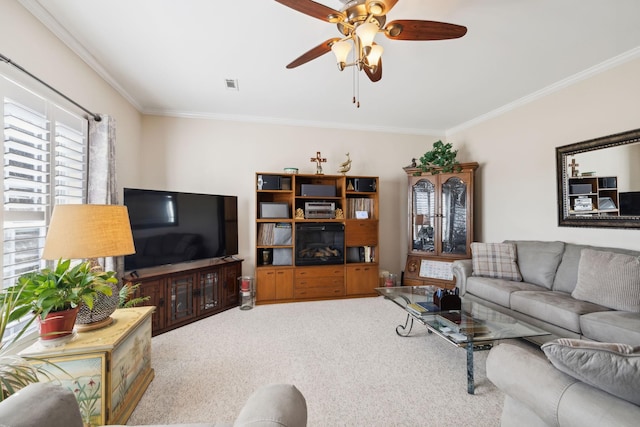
(358, 89)
(353, 84)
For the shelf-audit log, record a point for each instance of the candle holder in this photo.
(247, 286)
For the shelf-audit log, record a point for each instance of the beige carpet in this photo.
(344, 355)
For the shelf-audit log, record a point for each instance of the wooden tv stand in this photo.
(186, 292)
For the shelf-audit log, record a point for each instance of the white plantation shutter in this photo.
(45, 163)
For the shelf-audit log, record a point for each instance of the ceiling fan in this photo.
(358, 23)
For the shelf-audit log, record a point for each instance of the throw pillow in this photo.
(538, 261)
(495, 260)
(614, 368)
(609, 279)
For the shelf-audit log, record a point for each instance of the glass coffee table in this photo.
(474, 327)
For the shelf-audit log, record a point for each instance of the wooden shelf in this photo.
(285, 283)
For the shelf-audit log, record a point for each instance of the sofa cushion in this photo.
(557, 308)
(567, 274)
(274, 405)
(614, 368)
(538, 261)
(612, 326)
(495, 260)
(498, 291)
(524, 374)
(609, 279)
(46, 403)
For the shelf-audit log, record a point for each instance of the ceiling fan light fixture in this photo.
(341, 50)
(374, 55)
(366, 33)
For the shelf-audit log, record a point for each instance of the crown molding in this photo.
(40, 12)
(569, 81)
(292, 122)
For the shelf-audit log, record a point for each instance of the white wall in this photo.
(29, 44)
(222, 157)
(516, 152)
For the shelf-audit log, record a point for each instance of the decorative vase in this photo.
(100, 316)
(58, 324)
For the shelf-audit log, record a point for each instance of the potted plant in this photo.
(127, 298)
(441, 158)
(55, 295)
(16, 372)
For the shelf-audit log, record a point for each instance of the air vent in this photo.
(231, 84)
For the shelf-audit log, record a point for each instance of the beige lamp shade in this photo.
(88, 231)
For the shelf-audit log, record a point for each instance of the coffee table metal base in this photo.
(497, 326)
(405, 331)
(408, 323)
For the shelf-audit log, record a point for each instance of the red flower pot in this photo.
(58, 324)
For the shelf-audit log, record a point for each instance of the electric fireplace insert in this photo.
(319, 244)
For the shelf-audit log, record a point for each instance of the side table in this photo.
(108, 369)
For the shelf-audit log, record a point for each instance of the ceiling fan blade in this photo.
(311, 8)
(408, 29)
(380, 7)
(314, 53)
(377, 75)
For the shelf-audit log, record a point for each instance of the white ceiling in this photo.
(173, 56)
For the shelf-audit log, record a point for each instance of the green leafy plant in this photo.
(65, 287)
(440, 159)
(126, 296)
(17, 372)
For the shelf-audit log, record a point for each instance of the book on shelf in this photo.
(359, 205)
(428, 305)
(461, 323)
(415, 309)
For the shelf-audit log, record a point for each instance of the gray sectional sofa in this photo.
(272, 405)
(545, 296)
(588, 296)
(538, 394)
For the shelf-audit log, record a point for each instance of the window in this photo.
(45, 163)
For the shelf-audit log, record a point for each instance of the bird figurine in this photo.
(345, 166)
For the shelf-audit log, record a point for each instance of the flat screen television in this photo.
(173, 227)
(630, 203)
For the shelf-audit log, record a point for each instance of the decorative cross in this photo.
(574, 167)
(319, 160)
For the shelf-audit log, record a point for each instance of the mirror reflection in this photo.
(599, 182)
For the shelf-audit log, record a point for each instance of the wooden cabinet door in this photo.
(363, 232)
(154, 289)
(284, 284)
(230, 274)
(274, 284)
(362, 279)
(181, 298)
(266, 285)
(209, 290)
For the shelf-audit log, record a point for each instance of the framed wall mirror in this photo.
(599, 182)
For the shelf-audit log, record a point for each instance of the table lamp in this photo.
(90, 232)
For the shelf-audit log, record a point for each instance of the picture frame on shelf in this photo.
(362, 215)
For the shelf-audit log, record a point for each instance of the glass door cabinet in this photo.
(440, 224)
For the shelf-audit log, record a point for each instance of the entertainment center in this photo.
(316, 237)
(184, 261)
